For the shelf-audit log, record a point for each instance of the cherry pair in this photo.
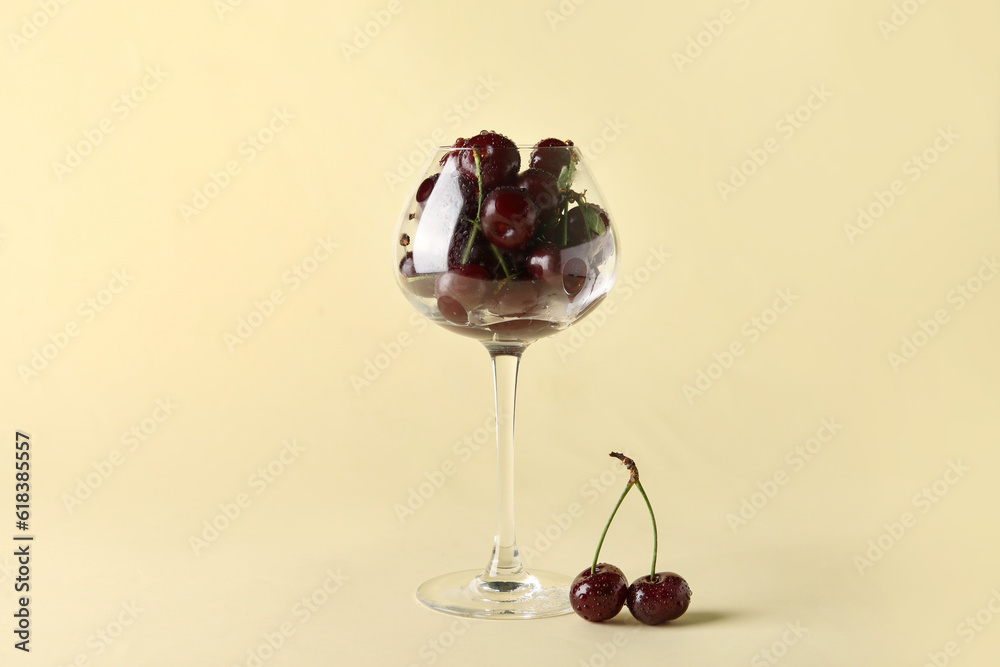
(599, 592)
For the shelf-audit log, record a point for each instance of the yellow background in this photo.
(201, 78)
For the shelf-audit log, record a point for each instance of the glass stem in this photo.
(505, 563)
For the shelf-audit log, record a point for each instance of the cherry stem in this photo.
(468, 246)
(479, 179)
(479, 213)
(633, 478)
(652, 573)
(593, 567)
(479, 210)
(499, 256)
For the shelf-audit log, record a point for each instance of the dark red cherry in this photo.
(553, 156)
(509, 217)
(466, 284)
(452, 310)
(459, 143)
(426, 186)
(598, 596)
(499, 159)
(544, 263)
(574, 275)
(406, 266)
(574, 230)
(568, 232)
(470, 195)
(481, 252)
(541, 185)
(655, 600)
(515, 298)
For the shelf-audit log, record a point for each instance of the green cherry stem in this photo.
(634, 479)
(652, 573)
(479, 210)
(479, 179)
(593, 567)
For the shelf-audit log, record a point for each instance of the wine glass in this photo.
(505, 244)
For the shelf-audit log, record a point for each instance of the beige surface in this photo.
(162, 350)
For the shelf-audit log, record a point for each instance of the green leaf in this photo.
(565, 179)
(593, 221)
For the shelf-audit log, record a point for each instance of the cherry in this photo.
(542, 187)
(544, 263)
(499, 159)
(470, 195)
(459, 143)
(452, 310)
(515, 298)
(604, 600)
(598, 593)
(460, 290)
(426, 186)
(466, 238)
(574, 276)
(524, 329)
(406, 266)
(548, 221)
(569, 232)
(509, 217)
(658, 598)
(550, 158)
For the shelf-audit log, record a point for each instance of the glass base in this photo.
(536, 595)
